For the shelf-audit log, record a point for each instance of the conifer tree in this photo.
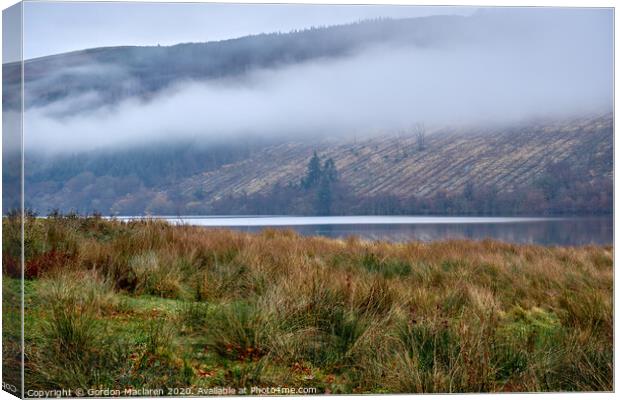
(313, 174)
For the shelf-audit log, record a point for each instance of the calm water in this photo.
(546, 231)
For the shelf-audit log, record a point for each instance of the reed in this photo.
(277, 308)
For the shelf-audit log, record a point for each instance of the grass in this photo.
(144, 304)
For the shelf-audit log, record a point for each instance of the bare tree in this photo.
(420, 133)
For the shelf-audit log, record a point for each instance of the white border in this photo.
(481, 3)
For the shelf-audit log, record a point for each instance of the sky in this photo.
(58, 27)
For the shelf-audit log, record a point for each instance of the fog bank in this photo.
(508, 69)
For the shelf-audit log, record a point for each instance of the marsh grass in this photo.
(147, 304)
(154, 276)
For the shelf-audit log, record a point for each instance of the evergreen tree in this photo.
(329, 170)
(313, 174)
(324, 197)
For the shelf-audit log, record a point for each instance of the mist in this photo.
(512, 66)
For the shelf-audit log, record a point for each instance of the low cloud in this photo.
(558, 70)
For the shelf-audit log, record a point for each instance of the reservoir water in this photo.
(545, 231)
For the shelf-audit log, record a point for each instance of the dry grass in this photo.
(346, 316)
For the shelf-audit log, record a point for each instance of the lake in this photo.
(545, 231)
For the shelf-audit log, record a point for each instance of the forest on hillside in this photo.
(552, 169)
(133, 186)
(116, 73)
(559, 191)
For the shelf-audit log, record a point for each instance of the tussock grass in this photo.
(151, 275)
(146, 303)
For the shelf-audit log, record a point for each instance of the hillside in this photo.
(103, 76)
(552, 167)
(508, 159)
(117, 73)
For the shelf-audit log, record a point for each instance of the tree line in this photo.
(562, 189)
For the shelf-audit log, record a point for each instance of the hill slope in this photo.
(552, 167)
(508, 159)
(117, 73)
